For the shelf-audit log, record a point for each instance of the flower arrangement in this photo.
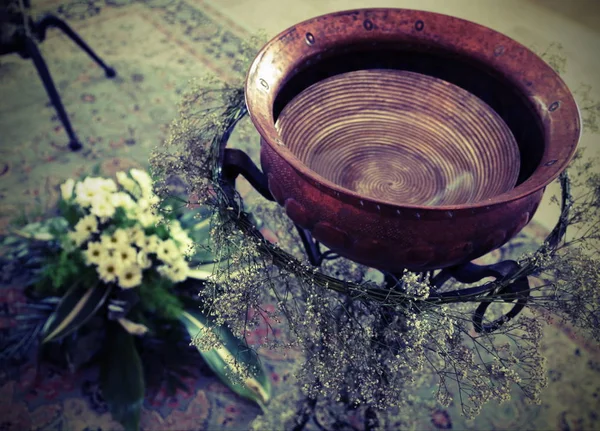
(120, 260)
(114, 232)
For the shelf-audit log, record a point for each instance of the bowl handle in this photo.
(236, 162)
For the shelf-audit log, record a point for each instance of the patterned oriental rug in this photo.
(156, 46)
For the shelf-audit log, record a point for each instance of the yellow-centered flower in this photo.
(118, 238)
(126, 254)
(108, 268)
(148, 243)
(87, 225)
(130, 276)
(167, 251)
(94, 253)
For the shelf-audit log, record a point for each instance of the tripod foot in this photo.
(110, 72)
(75, 145)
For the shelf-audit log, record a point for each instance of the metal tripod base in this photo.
(28, 49)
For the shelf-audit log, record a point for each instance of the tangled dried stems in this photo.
(364, 345)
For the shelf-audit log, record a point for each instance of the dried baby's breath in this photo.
(365, 345)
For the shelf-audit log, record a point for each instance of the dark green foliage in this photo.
(122, 377)
(168, 357)
(157, 296)
(76, 307)
(70, 212)
(61, 270)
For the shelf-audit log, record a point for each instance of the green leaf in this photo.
(76, 307)
(70, 212)
(157, 296)
(202, 272)
(46, 230)
(122, 378)
(203, 226)
(233, 355)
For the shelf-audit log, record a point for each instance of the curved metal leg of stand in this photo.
(517, 291)
(310, 246)
(53, 21)
(471, 273)
(33, 52)
(236, 162)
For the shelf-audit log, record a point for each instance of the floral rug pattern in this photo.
(156, 46)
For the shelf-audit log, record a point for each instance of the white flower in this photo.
(84, 229)
(146, 211)
(179, 271)
(128, 184)
(108, 268)
(147, 218)
(117, 239)
(149, 243)
(78, 237)
(148, 202)
(123, 200)
(143, 179)
(186, 244)
(107, 184)
(66, 189)
(102, 207)
(91, 187)
(136, 234)
(130, 276)
(126, 254)
(94, 253)
(84, 194)
(167, 251)
(143, 260)
(87, 225)
(176, 272)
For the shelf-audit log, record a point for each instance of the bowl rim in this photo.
(544, 90)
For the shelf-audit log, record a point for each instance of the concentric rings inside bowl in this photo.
(401, 137)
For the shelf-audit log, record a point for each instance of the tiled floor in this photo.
(575, 24)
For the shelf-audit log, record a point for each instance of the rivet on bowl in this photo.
(310, 38)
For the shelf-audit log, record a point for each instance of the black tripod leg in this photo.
(53, 21)
(42, 69)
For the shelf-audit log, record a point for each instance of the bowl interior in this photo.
(402, 137)
(475, 78)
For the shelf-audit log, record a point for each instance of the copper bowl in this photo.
(511, 127)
